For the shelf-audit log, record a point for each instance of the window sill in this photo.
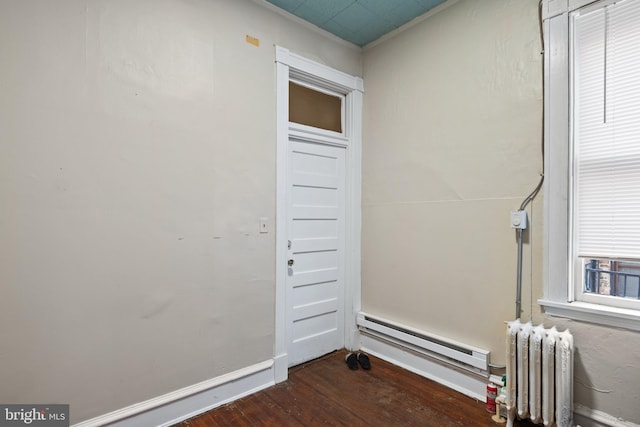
(593, 313)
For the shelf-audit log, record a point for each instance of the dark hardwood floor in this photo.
(325, 392)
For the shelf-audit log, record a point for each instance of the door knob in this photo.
(290, 262)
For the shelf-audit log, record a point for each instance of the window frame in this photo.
(343, 135)
(560, 297)
(595, 298)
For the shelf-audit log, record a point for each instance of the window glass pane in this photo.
(312, 108)
(606, 153)
(611, 277)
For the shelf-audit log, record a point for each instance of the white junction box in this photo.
(519, 219)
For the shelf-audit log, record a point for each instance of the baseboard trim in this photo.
(190, 401)
(584, 416)
(466, 382)
(281, 368)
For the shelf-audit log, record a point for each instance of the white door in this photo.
(316, 242)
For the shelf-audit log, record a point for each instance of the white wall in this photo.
(137, 152)
(452, 128)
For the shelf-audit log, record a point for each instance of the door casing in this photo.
(291, 66)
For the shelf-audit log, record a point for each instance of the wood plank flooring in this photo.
(324, 392)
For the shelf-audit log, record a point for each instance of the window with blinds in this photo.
(606, 147)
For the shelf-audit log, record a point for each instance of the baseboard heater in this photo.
(446, 350)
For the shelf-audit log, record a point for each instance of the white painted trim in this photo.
(190, 401)
(309, 133)
(463, 381)
(282, 136)
(556, 140)
(553, 8)
(305, 69)
(559, 288)
(353, 247)
(280, 368)
(290, 65)
(593, 313)
(587, 417)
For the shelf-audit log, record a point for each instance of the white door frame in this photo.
(290, 65)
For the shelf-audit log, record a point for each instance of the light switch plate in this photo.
(264, 227)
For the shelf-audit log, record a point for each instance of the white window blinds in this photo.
(606, 131)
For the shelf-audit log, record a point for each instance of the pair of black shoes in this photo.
(353, 359)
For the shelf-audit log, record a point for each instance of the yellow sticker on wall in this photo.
(252, 40)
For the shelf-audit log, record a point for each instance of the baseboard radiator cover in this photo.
(539, 374)
(460, 356)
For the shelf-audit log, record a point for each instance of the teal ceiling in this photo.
(357, 21)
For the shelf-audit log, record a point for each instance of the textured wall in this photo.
(452, 128)
(452, 134)
(606, 367)
(137, 152)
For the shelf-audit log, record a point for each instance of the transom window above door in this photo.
(316, 108)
